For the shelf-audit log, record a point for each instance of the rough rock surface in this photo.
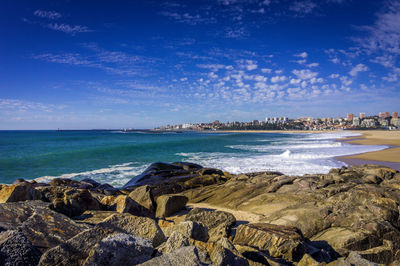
(19, 192)
(76, 250)
(185, 256)
(17, 250)
(219, 223)
(144, 196)
(175, 240)
(120, 249)
(189, 229)
(43, 227)
(279, 241)
(124, 204)
(169, 204)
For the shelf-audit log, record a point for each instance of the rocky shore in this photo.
(184, 214)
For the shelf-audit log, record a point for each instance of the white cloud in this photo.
(303, 7)
(278, 79)
(305, 74)
(358, 68)
(68, 28)
(47, 14)
(333, 76)
(302, 55)
(313, 65)
(266, 70)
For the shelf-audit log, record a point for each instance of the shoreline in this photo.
(389, 157)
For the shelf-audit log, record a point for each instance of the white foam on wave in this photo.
(116, 175)
(298, 155)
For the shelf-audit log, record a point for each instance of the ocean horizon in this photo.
(114, 157)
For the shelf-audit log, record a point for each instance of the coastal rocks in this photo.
(16, 249)
(18, 192)
(124, 204)
(76, 250)
(279, 241)
(74, 202)
(144, 196)
(175, 240)
(120, 249)
(189, 229)
(218, 223)
(169, 204)
(93, 217)
(56, 182)
(43, 227)
(184, 256)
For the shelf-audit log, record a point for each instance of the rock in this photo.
(185, 256)
(16, 249)
(175, 240)
(76, 250)
(169, 204)
(355, 259)
(279, 241)
(189, 229)
(75, 201)
(144, 196)
(64, 182)
(187, 165)
(42, 226)
(225, 253)
(218, 223)
(91, 182)
(307, 260)
(124, 204)
(120, 249)
(19, 192)
(93, 217)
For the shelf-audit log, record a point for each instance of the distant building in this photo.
(381, 115)
(362, 115)
(356, 121)
(395, 121)
(349, 117)
(395, 115)
(386, 115)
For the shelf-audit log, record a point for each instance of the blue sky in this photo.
(140, 64)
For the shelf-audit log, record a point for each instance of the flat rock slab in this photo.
(185, 256)
(169, 204)
(43, 227)
(279, 241)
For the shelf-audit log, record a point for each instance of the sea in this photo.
(115, 157)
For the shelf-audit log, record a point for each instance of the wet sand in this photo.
(388, 157)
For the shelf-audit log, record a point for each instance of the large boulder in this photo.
(75, 201)
(19, 192)
(76, 250)
(218, 223)
(120, 249)
(189, 229)
(170, 204)
(144, 196)
(93, 217)
(16, 249)
(279, 241)
(185, 256)
(42, 226)
(175, 240)
(125, 204)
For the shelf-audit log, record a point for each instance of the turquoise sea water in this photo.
(115, 157)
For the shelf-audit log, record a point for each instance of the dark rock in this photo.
(74, 202)
(111, 191)
(17, 250)
(279, 241)
(169, 204)
(64, 182)
(144, 196)
(120, 249)
(76, 250)
(188, 166)
(104, 186)
(91, 182)
(184, 256)
(43, 227)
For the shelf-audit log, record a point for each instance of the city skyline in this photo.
(143, 64)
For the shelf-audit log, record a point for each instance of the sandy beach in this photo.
(389, 157)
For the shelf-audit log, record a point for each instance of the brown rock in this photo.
(169, 204)
(19, 192)
(279, 241)
(144, 196)
(124, 204)
(75, 201)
